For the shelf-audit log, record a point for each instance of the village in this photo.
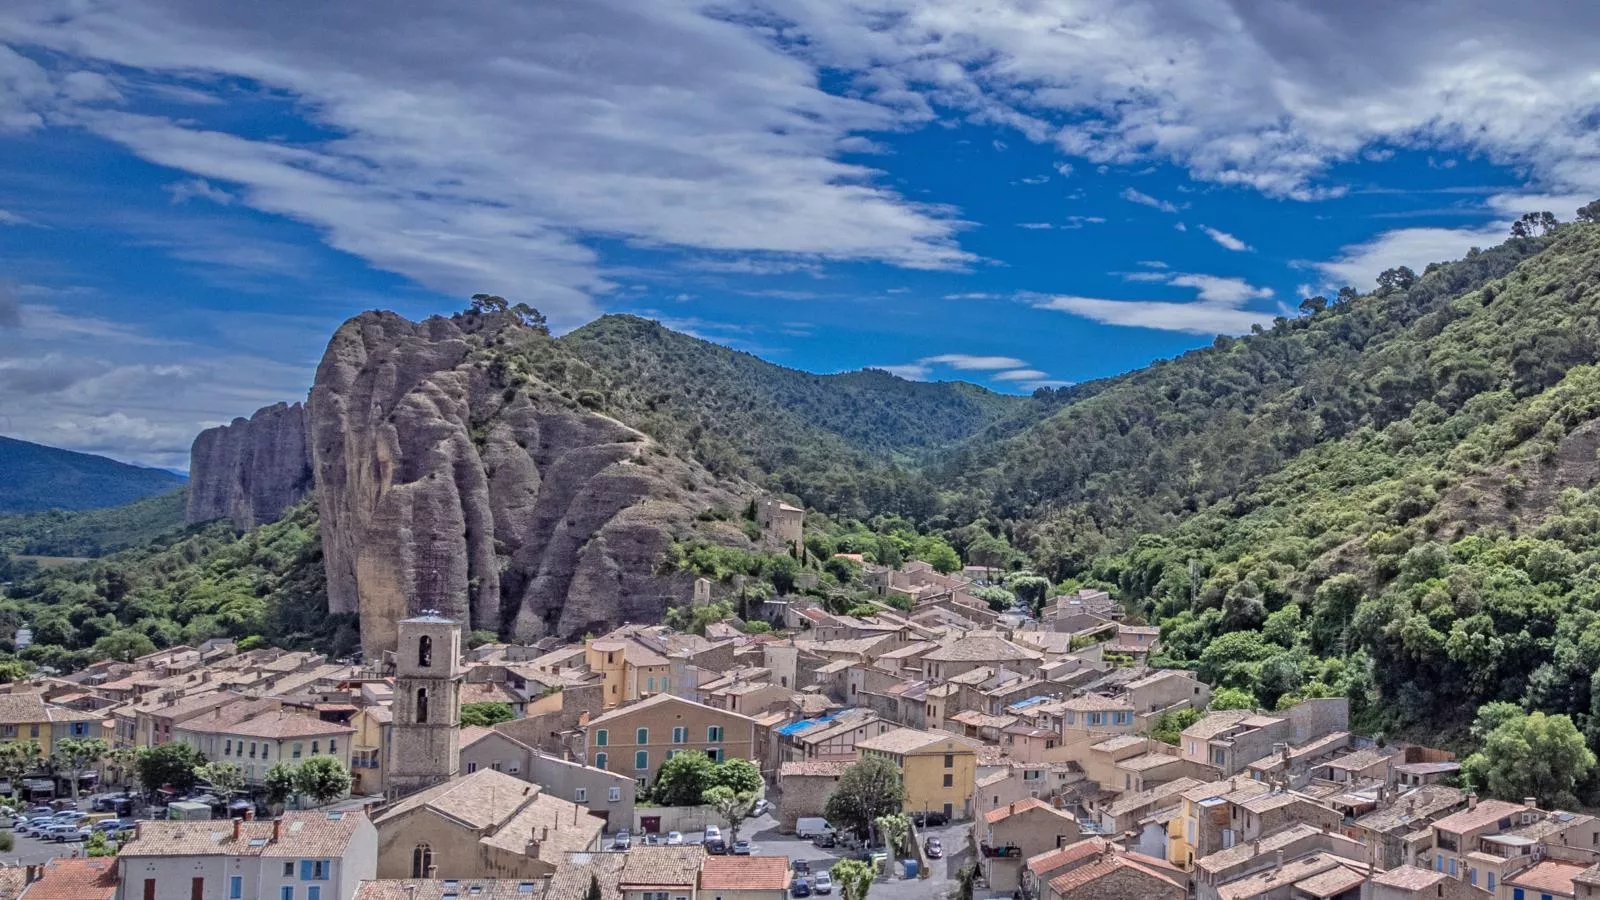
(1037, 758)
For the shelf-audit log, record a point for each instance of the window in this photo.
(1072, 717)
(715, 753)
(680, 735)
(235, 887)
(288, 870)
(714, 734)
(421, 861)
(949, 781)
(425, 652)
(642, 736)
(333, 746)
(614, 794)
(599, 760)
(252, 749)
(641, 760)
(316, 747)
(314, 892)
(472, 767)
(1452, 867)
(297, 749)
(949, 760)
(581, 795)
(227, 747)
(666, 684)
(671, 754)
(495, 765)
(650, 684)
(287, 893)
(422, 706)
(1491, 882)
(602, 737)
(33, 731)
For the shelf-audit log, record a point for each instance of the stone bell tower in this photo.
(425, 748)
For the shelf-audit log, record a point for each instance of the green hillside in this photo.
(38, 478)
(92, 532)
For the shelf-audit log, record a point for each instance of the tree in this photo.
(13, 670)
(867, 790)
(123, 644)
(1535, 223)
(1232, 698)
(98, 846)
(1590, 212)
(991, 552)
(1400, 278)
(733, 806)
(1170, 725)
(225, 778)
(1492, 715)
(853, 877)
(895, 830)
(594, 888)
(843, 568)
(1536, 755)
(170, 765)
(934, 551)
(280, 782)
(486, 714)
(1030, 588)
(739, 775)
(125, 762)
(479, 638)
(74, 755)
(1310, 306)
(998, 598)
(683, 779)
(18, 758)
(323, 779)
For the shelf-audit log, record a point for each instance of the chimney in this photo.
(1530, 801)
(1277, 864)
(1411, 805)
(544, 833)
(238, 828)
(30, 875)
(1472, 801)
(250, 814)
(277, 830)
(1013, 810)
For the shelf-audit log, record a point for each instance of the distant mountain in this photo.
(39, 478)
(92, 532)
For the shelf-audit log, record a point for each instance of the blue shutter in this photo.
(305, 870)
(314, 893)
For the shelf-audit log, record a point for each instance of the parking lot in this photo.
(762, 832)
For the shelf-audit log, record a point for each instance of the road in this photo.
(762, 832)
(30, 851)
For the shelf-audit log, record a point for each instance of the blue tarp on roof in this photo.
(1021, 704)
(797, 727)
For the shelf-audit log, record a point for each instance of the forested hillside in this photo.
(38, 478)
(92, 532)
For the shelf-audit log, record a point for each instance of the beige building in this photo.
(781, 521)
(635, 740)
(653, 873)
(607, 795)
(254, 735)
(939, 769)
(628, 670)
(313, 855)
(484, 825)
(370, 747)
(1017, 832)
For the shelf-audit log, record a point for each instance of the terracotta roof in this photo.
(1293, 872)
(745, 873)
(1088, 874)
(910, 740)
(310, 833)
(1487, 813)
(280, 724)
(1409, 878)
(814, 767)
(659, 700)
(75, 879)
(1009, 810)
(1331, 883)
(314, 833)
(1050, 860)
(507, 810)
(578, 871)
(1549, 877)
(651, 867)
(1215, 723)
(1095, 703)
(440, 889)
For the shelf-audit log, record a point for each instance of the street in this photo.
(32, 851)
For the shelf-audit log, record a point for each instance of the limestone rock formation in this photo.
(251, 470)
(448, 479)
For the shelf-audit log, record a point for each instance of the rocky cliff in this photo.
(450, 477)
(250, 470)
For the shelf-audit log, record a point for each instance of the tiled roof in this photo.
(578, 871)
(441, 889)
(650, 867)
(75, 879)
(1120, 742)
(1048, 861)
(1089, 874)
(1293, 872)
(909, 740)
(1223, 860)
(1486, 813)
(814, 767)
(1331, 883)
(1147, 761)
(314, 833)
(1095, 703)
(661, 700)
(1548, 877)
(1360, 759)
(1409, 878)
(745, 873)
(980, 649)
(22, 709)
(1135, 802)
(1412, 808)
(282, 724)
(310, 833)
(1009, 810)
(1215, 723)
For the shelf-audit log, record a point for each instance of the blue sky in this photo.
(194, 195)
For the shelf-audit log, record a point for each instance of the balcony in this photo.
(1006, 852)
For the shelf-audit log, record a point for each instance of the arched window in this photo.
(422, 706)
(421, 861)
(424, 651)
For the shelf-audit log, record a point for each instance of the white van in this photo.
(811, 826)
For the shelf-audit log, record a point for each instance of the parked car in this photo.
(933, 848)
(761, 807)
(826, 839)
(811, 826)
(111, 826)
(718, 847)
(802, 867)
(712, 833)
(742, 848)
(61, 833)
(822, 884)
(34, 824)
(70, 816)
(921, 819)
(622, 841)
(674, 838)
(800, 888)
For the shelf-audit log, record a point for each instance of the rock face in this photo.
(250, 470)
(446, 482)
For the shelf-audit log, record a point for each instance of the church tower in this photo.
(425, 748)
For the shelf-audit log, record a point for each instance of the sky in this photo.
(1017, 193)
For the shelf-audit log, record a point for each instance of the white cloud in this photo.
(198, 188)
(7, 217)
(1216, 289)
(467, 170)
(1180, 226)
(1133, 196)
(969, 362)
(973, 295)
(1225, 239)
(1358, 265)
(908, 371)
(1019, 375)
(1191, 318)
(1153, 264)
(1035, 226)
(1065, 169)
(1034, 179)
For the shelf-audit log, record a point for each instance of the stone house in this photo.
(1123, 815)
(804, 787)
(370, 746)
(1115, 877)
(782, 522)
(1412, 883)
(654, 873)
(485, 825)
(62, 878)
(1014, 833)
(628, 670)
(635, 740)
(1387, 826)
(314, 855)
(608, 796)
(1214, 872)
(1229, 740)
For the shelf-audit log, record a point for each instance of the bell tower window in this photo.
(425, 652)
(422, 706)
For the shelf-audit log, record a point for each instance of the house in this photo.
(1204, 824)
(1017, 832)
(977, 650)
(312, 855)
(27, 717)
(629, 670)
(1550, 878)
(804, 787)
(255, 735)
(608, 796)
(635, 740)
(1387, 827)
(1123, 815)
(1412, 883)
(449, 889)
(1317, 876)
(745, 878)
(71, 879)
(939, 769)
(782, 522)
(833, 735)
(1463, 834)
(1231, 739)
(484, 825)
(653, 873)
(370, 746)
(1215, 871)
(1116, 877)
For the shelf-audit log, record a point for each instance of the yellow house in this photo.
(629, 670)
(369, 748)
(26, 717)
(939, 768)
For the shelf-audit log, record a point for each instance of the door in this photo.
(650, 824)
(949, 812)
(197, 889)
